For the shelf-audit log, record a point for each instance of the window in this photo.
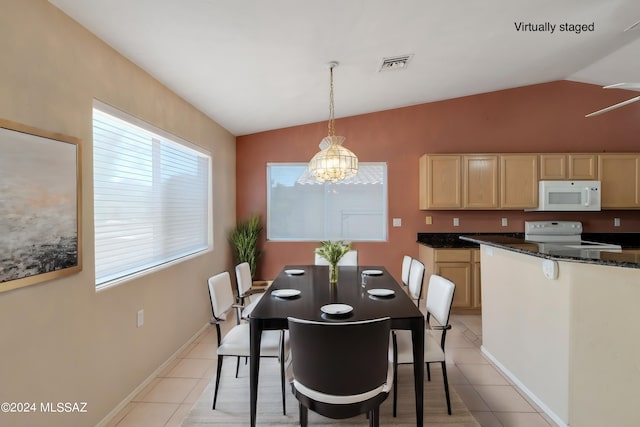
(301, 209)
(151, 196)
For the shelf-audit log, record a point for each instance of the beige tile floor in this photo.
(490, 397)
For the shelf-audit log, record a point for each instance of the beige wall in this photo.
(571, 343)
(61, 340)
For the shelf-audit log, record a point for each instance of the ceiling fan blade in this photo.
(631, 86)
(613, 107)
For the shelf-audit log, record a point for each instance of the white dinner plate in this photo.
(294, 272)
(381, 292)
(336, 308)
(372, 272)
(285, 293)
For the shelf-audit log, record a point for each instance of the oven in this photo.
(564, 238)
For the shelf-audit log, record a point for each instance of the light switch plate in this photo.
(397, 222)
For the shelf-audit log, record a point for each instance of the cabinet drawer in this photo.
(453, 255)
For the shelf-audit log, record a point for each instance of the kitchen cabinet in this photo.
(518, 181)
(440, 182)
(620, 177)
(568, 166)
(480, 181)
(462, 267)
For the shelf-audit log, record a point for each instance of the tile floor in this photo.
(490, 397)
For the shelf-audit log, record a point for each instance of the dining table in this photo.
(361, 293)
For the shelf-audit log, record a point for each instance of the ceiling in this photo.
(256, 65)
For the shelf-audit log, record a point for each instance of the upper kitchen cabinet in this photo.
(620, 177)
(480, 181)
(440, 182)
(568, 166)
(518, 181)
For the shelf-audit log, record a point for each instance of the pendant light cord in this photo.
(331, 125)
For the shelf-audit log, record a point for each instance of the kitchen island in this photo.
(564, 328)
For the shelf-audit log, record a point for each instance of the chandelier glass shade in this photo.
(334, 162)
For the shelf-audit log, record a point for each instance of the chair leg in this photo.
(284, 404)
(428, 372)
(395, 372)
(446, 385)
(303, 415)
(218, 370)
(374, 417)
(237, 365)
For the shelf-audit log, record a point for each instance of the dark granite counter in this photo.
(518, 244)
(453, 241)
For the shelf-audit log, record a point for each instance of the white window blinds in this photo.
(151, 196)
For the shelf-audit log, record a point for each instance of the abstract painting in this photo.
(40, 215)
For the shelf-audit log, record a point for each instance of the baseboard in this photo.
(524, 389)
(115, 411)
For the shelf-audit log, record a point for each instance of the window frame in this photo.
(385, 202)
(167, 137)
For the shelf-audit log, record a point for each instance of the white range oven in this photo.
(564, 238)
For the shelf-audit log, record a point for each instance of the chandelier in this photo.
(333, 162)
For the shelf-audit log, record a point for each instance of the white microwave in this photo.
(568, 196)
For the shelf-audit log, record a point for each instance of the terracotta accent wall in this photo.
(539, 118)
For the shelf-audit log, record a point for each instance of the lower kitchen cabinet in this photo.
(462, 267)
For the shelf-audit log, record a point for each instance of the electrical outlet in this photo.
(505, 222)
(428, 220)
(456, 222)
(616, 222)
(140, 320)
(397, 222)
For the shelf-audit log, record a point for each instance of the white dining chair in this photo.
(438, 301)
(406, 266)
(349, 259)
(416, 280)
(248, 296)
(237, 341)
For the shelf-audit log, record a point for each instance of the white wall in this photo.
(61, 340)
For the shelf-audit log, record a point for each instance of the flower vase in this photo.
(333, 273)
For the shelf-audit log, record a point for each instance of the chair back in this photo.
(221, 294)
(439, 298)
(416, 279)
(406, 266)
(243, 278)
(349, 259)
(346, 358)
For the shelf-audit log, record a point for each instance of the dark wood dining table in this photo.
(271, 312)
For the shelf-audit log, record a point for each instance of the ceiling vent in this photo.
(395, 63)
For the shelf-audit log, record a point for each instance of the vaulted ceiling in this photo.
(255, 65)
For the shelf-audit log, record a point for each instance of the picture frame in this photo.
(40, 205)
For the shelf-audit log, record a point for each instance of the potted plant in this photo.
(332, 252)
(244, 242)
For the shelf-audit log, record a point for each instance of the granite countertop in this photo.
(453, 241)
(518, 244)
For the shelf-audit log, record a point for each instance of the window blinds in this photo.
(151, 197)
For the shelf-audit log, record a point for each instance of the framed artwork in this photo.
(40, 206)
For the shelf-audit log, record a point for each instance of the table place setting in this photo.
(286, 293)
(294, 272)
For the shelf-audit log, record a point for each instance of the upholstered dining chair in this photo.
(248, 296)
(237, 341)
(349, 259)
(416, 280)
(439, 300)
(406, 268)
(340, 370)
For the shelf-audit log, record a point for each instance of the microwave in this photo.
(568, 196)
